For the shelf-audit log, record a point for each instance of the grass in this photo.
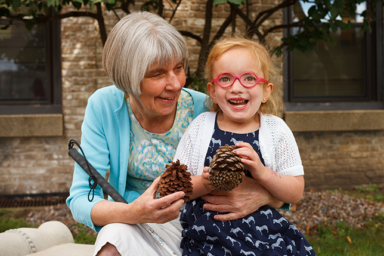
(82, 236)
(15, 218)
(10, 219)
(371, 192)
(346, 241)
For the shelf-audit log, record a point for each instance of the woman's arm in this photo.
(248, 197)
(145, 209)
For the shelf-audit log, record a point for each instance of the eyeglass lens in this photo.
(247, 80)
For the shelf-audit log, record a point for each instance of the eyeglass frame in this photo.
(258, 79)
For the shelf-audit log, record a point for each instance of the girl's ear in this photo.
(211, 91)
(268, 90)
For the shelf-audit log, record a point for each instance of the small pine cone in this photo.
(226, 169)
(174, 179)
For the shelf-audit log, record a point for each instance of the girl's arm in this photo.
(201, 184)
(286, 188)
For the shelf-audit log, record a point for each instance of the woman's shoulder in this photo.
(109, 95)
(196, 94)
(199, 100)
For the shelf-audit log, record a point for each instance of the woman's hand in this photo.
(241, 201)
(145, 209)
(150, 210)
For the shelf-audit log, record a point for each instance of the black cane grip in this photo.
(80, 160)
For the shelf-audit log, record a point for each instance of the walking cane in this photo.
(107, 188)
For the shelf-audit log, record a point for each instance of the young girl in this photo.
(242, 105)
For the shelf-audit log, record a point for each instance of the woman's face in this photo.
(160, 90)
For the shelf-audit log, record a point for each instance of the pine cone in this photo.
(174, 179)
(226, 169)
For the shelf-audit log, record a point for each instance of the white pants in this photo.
(132, 240)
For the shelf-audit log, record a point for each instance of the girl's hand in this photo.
(250, 159)
(204, 179)
(241, 201)
(150, 210)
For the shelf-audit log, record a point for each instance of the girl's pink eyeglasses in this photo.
(247, 79)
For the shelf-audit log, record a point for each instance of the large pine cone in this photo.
(174, 179)
(226, 169)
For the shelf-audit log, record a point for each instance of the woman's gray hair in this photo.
(135, 43)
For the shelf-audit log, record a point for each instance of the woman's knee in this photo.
(108, 250)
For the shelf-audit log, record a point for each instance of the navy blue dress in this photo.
(264, 232)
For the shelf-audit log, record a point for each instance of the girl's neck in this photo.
(248, 126)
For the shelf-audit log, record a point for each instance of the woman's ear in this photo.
(211, 91)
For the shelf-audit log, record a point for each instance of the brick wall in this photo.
(341, 159)
(41, 165)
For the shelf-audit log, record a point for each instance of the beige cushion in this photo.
(52, 236)
(69, 249)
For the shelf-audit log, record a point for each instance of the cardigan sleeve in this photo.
(94, 145)
(288, 161)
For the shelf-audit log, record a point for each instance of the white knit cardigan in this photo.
(277, 145)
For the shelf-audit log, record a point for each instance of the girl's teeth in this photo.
(243, 102)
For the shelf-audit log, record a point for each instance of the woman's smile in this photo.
(167, 99)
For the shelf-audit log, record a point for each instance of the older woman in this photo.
(132, 129)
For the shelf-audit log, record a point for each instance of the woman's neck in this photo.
(226, 124)
(151, 122)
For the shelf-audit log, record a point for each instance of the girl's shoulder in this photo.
(208, 114)
(205, 119)
(275, 123)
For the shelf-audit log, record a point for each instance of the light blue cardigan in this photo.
(105, 142)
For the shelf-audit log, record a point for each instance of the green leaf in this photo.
(308, 22)
(53, 3)
(325, 27)
(236, 2)
(77, 5)
(349, 25)
(15, 4)
(312, 10)
(110, 6)
(277, 51)
(312, 40)
(216, 2)
(303, 41)
(334, 12)
(340, 24)
(333, 27)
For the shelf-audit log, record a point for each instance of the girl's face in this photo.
(160, 90)
(239, 104)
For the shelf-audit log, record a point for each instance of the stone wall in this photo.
(41, 165)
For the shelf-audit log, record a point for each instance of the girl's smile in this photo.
(239, 104)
